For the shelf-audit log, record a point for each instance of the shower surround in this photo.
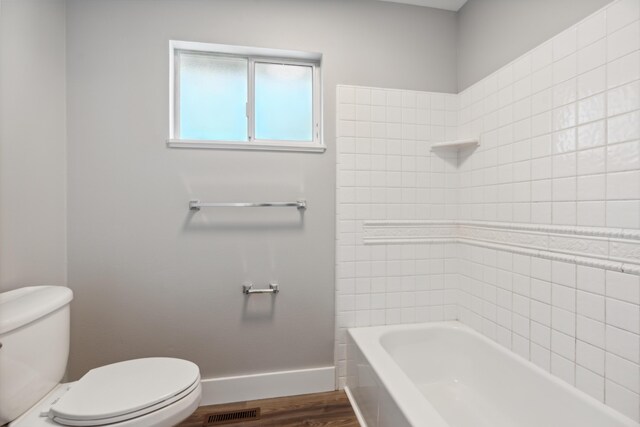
(533, 237)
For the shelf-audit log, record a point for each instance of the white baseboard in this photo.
(355, 407)
(267, 385)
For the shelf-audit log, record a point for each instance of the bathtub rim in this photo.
(412, 403)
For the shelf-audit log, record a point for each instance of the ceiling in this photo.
(453, 5)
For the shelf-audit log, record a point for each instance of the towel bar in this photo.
(196, 205)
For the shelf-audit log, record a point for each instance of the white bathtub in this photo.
(446, 374)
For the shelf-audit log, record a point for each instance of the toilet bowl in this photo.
(34, 338)
(142, 392)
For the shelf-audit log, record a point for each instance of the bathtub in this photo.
(447, 375)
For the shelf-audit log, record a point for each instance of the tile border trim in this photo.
(608, 248)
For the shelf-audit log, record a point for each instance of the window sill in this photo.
(303, 147)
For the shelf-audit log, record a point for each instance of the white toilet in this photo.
(34, 347)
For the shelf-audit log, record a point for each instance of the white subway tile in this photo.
(623, 372)
(593, 108)
(623, 214)
(622, 13)
(541, 213)
(591, 214)
(591, 357)
(521, 264)
(563, 368)
(563, 321)
(623, 99)
(541, 268)
(542, 79)
(394, 98)
(622, 399)
(378, 114)
(541, 356)
(623, 70)
(592, 82)
(590, 331)
(591, 29)
(505, 76)
(363, 96)
(564, 213)
(590, 383)
(541, 102)
(623, 343)
(542, 168)
(590, 305)
(522, 67)
(451, 102)
(346, 95)
(591, 135)
(623, 157)
(564, 189)
(540, 334)
(592, 56)
(565, 68)
(623, 41)
(541, 312)
(438, 101)
(623, 185)
(563, 273)
(409, 99)
(623, 315)
(592, 161)
(564, 117)
(520, 345)
(623, 128)
(564, 165)
(542, 56)
(541, 124)
(346, 128)
(564, 141)
(378, 97)
(347, 111)
(625, 287)
(591, 187)
(362, 113)
(565, 93)
(563, 344)
(565, 43)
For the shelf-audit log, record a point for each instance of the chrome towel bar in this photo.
(248, 289)
(196, 205)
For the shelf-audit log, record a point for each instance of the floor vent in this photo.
(229, 417)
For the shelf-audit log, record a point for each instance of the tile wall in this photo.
(560, 153)
(532, 238)
(386, 171)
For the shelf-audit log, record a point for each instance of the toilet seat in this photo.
(125, 391)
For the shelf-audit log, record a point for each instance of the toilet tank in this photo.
(34, 339)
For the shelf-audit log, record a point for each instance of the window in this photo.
(244, 98)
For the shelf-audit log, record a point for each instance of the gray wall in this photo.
(149, 277)
(492, 33)
(32, 143)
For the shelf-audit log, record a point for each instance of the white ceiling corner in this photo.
(453, 5)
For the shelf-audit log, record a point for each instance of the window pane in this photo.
(284, 102)
(213, 96)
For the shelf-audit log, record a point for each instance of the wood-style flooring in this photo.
(331, 409)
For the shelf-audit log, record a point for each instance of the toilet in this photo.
(34, 348)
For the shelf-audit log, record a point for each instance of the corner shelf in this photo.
(456, 145)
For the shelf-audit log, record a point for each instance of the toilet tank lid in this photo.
(22, 306)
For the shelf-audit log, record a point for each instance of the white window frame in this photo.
(253, 55)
